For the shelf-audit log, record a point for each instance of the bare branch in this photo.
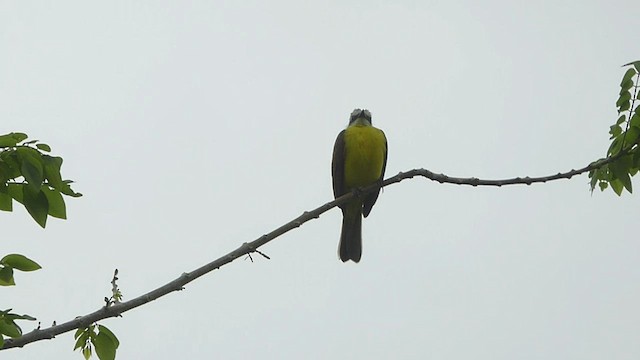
(441, 178)
(115, 309)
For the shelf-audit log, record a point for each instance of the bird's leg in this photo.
(358, 192)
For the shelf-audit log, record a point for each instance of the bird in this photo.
(359, 160)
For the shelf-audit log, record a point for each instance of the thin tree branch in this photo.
(441, 178)
(118, 308)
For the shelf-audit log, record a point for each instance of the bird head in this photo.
(360, 117)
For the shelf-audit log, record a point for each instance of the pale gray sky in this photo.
(192, 127)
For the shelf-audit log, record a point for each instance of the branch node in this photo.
(310, 215)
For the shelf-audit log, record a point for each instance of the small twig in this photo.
(263, 254)
(116, 295)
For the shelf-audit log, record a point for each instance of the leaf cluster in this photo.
(625, 137)
(31, 177)
(104, 342)
(17, 262)
(8, 326)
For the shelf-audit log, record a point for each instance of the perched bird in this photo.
(359, 160)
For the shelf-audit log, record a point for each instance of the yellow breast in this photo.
(365, 149)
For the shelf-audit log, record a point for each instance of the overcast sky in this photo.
(192, 127)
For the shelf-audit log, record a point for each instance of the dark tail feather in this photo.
(351, 236)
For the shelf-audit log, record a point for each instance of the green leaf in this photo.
(81, 336)
(9, 165)
(622, 165)
(624, 107)
(6, 202)
(10, 328)
(605, 173)
(57, 207)
(632, 135)
(626, 181)
(635, 64)
(617, 186)
(603, 185)
(36, 204)
(31, 166)
(16, 192)
(86, 352)
(67, 189)
(69, 192)
(615, 130)
(621, 119)
(628, 75)
(44, 147)
(614, 148)
(624, 97)
(20, 262)
(594, 180)
(79, 343)
(52, 166)
(107, 332)
(625, 86)
(635, 120)
(6, 276)
(12, 139)
(20, 317)
(105, 347)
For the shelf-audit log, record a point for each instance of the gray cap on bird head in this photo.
(360, 113)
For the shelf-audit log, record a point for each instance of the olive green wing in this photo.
(371, 198)
(337, 166)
